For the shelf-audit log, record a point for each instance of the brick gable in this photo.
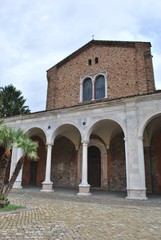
(127, 65)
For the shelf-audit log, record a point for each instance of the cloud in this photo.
(35, 35)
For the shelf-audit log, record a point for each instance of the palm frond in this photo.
(29, 146)
(10, 137)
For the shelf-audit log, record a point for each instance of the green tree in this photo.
(30, 151)
(9, 138)
(12, 102)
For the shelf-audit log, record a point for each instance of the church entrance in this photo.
(33, 172)
(94, 167)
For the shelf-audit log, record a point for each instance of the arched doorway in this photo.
(33, 173)
(64, 157)
(152, 155)
(94, 166)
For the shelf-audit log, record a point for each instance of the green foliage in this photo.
(10, 207)
(3, 201)
(10, 137)
(12, 102)
(29, 146)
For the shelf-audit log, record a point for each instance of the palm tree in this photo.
(12, 102)
(30, 151)
(9, 138)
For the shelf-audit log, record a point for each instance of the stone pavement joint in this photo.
(59, 216)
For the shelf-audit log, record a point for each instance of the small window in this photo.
(87, 89)
(96, 60)
(89, 62)
(100, 87)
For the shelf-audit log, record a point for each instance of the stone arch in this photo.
(34, 171)
(63, 163)
(111, 125)
(106, 130)
(150, 132)
(69, 130)
(38, 132)
(66, 138)
(144, 122)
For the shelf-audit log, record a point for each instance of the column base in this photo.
(47, 187)
(84, 190)
(136, 194)
(17, 184)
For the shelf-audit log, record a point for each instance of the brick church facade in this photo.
(102, 124)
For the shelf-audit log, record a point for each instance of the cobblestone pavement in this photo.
(59, 216)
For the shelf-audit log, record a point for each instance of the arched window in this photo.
(87, 89)
(100, 87)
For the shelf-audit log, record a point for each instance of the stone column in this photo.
(127, 165)
(18, 182)
(84, 187)
(13, 160)
(135, 173)
(142, 166)
(47, 185)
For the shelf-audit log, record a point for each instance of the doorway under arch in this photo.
(152, 154)
(34, 171)
(94, 166)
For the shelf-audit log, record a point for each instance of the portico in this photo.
(117, 129)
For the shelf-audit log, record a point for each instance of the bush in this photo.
(3, 201)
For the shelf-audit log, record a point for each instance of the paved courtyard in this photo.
(67, 216)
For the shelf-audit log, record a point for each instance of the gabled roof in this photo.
(97, 42)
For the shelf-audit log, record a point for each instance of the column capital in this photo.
(49, 143)
(85, 141)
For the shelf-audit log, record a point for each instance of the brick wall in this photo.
(63, 171)
(117, 164)
(64, 164)
(128, 67)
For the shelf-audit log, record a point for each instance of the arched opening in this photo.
(152, 155)
(34, 171)
(100, 87)
(64, 156)
(87, 89)
(64, 163)
(117, 163)
(113, 165)
(94, 166)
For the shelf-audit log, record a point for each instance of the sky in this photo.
(37, 34)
